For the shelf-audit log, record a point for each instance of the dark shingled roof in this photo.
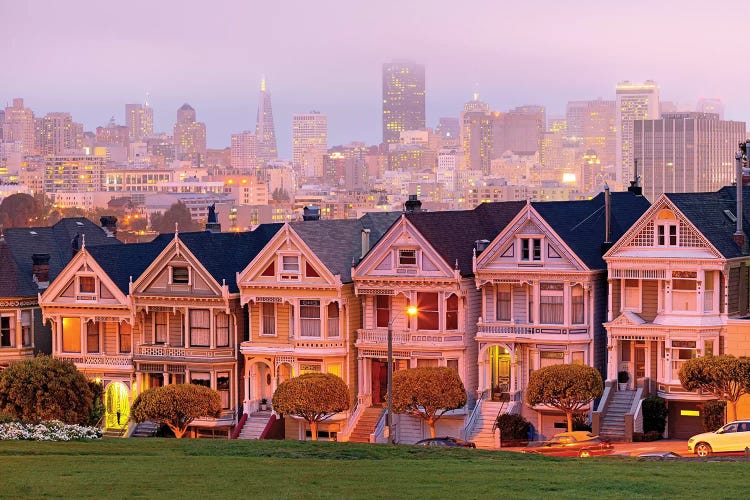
(222, 254)
(706, 212)
(454, 233)
(338, 243)
(56, 240)
(581, 224)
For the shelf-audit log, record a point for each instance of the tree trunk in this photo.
(731, 411)
(314, 430)
(569, 414)
(431, 423)
(178, 432)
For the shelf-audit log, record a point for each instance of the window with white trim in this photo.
(666, 235)
(551, 305)
(631, 295)
(223, 386)
(86, 284)
(200, 327)
(92, 337)
(7, 332)
(222, 330)
(180, 275)
(290, 264)
(268, 318)
(577, 305)
(549, 358)
(451, 312)
(126, 338)
(531, 249)
(26, 330)
(382, 311)
(71, 335)
(309, 318)
(428, 315)
(502, 311)
(160, 327)
(334, 330)
(407, 257)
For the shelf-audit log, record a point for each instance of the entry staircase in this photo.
(255, 425)
(482, 432)
(613, 421)
(111, 432)
(146, 428)
(366, 424)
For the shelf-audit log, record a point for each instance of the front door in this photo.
(117, 406)
(499, 358)
(379, 382)
(640, 363)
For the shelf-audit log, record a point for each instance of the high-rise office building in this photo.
(685, 152)
(189, 136)
(403, 99)
(139, 118)
(591, 124)
(634, 101)
(244, 151)
(57, 133)
(113, 134)
(522, 129)
(477, 129)
(309, 143)
(19, 126)
(711, 105)
(476, 105)
(449, 129)
(265, 133)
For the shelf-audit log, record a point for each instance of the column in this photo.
(211, 329)
(610, 309)
(535, 301)
(138, 384)
(700, 302)
(84, 327)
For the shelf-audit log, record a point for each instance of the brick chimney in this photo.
(40, 269)
(212, 221)
(413, 204)
(311, 213)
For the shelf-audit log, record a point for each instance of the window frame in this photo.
(530, 249)
(225, 329)
(7, 331)
(93, 330)
(425, 317)
(262, 327)
(156, 324)
(187, 278)
(402, 252)
(86, 277)
(308, 306)
(663, 234)
(449, 312)
(377, 309)
(503, 288)
(201, 330)
(557, 292)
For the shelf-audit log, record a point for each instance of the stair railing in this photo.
(472, 419)
(379, 429)
(638, 417)
(354, 415)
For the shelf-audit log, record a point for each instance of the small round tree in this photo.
(45, 388)
(725, 377)
(428, 393)
(176, 406)
(313, 396)
(569, 388)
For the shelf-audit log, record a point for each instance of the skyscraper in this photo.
(189, 136)
(685, 152)
(139, 118)
(244, 151)
(403, 99)
(591, 124)
(635, 101)
(57, 133)
(19, 126)
(309, 143)
(265, 133)
(711, 105)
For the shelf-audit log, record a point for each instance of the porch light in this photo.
(410, 311)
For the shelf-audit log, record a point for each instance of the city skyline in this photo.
(344, 82)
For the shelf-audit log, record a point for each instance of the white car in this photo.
(732, 437)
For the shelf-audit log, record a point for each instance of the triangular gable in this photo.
(63, 288)
(642, 234)
(627, 318)
(267, 266)
(503, 252)
(156, 278)
(390, 256)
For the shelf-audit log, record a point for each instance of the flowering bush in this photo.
(53, 430)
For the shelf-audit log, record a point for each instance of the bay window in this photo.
(71, 335)
(549, 358)
(502, 311)
(577, 306)
(200, 327)
(551, 305)
(160, 327)
(451, 312)
(309, 318)
(200, 378)
(92, 337)
(126, 338)
(222, 330)
(333, 320)
(268, 320)
(222, 385)
(684, 290)
(428, 315)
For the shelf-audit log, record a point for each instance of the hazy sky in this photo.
(91, 57)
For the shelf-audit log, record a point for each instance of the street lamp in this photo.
(411, 311)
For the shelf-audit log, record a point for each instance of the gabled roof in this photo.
(56, 240)
(706, 211)
(453, 234)
(222, 254)
(581, 224)
(338, 243)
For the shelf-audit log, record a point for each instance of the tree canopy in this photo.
(724, 376)
(312, 396)
(19, 210)
(45, 388)
(428, 393)
(176, 406)
(569, 388)
(177, 213)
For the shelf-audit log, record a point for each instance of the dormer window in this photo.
(180, 275)
(666, 235)
(86, 284)
(290, 264)
(531, 249)
(407, 257)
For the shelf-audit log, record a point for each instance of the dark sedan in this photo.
(446, 441)
(573, 444)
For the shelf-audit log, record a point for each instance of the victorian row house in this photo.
(29, 259)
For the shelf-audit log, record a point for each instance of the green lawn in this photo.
(160, 468)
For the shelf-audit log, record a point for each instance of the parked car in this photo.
(446, 441)
(731, 438)
(573, 444)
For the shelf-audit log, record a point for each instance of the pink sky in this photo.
(91, 57)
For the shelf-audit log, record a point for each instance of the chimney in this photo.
(212, 221)
(481, 245)
(311, 213)
(365, 242)
(109, 225)
(412, 204)
(75, 243)
(607, 244)
(739, 234)
(40, 269)
(635, 184)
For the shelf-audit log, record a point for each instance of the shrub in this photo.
(176, 406)
(97, 407)
(623, 377)
(724, 376)
(654, 414)
(581, 422)
(713, 414)
(512, 427)
(47, 431)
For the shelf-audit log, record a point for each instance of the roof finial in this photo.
(176, 229)
(456, 264)
(83, 241)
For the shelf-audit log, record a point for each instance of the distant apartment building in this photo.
(139, 119)
(189, 136)
(309, 143)
(113, 134)
(136, 179)
(244, 151)
(591, 124)
(57, 133)
(74, 173)
(685, 152)
(18, 126)
(635, 101)
(403, 99)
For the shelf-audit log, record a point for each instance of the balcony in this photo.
(98, 360)
(161, 352)
(536, 333)
(420, 338)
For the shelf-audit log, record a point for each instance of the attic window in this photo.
(407, 257)
(180, 275)
(86, 284)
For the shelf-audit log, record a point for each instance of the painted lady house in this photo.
(303, 314)
(543, 287)
(425, 260)
(676, 279)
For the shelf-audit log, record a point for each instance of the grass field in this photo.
(160, 468)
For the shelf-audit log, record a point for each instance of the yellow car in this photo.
(733, 437)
